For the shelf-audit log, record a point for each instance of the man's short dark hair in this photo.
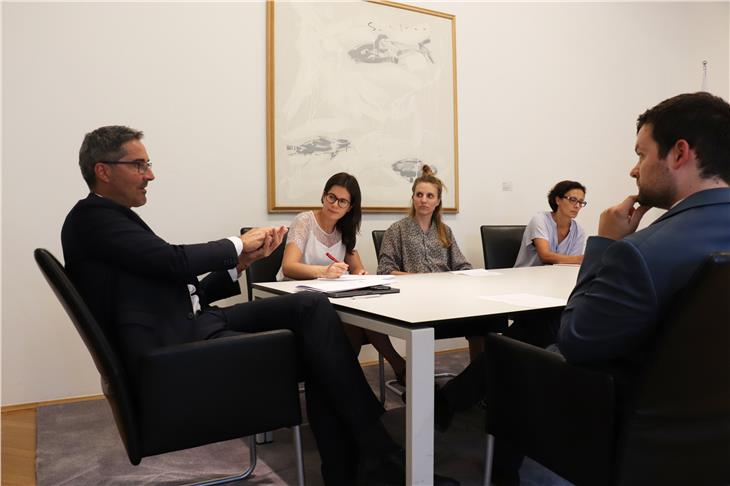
(703, 120)
(561, 189)
(104, 143)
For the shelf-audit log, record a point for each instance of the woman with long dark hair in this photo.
(331, 230)
(321, 243)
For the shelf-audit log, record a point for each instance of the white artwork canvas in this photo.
(361, 87)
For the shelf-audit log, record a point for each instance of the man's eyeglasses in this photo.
(575, 201)
(142, 166)
(331, 198)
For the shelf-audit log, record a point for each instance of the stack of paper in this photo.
(476, 272)
(346, 282)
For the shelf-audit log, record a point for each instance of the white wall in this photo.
(546, 92)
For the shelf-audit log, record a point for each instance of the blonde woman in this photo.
(421, 242)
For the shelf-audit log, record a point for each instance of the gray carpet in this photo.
(78, 444)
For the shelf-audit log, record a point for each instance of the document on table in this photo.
(349, 277)
(476, 272)
(346, 282)
(526, 300)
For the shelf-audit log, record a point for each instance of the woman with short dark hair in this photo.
(553, 236)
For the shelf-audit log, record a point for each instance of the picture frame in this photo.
(366, 87)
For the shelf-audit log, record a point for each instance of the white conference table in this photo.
(425, 302)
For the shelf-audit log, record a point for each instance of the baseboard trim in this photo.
(35, 405)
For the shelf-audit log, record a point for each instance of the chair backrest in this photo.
(501, 244)
(678, 429)
(378, 241)
(263, 270)
(115, 384)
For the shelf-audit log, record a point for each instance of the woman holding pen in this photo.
(321, 244)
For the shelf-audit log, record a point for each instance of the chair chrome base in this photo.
(399, 389)
(252, 463)
(488, 460)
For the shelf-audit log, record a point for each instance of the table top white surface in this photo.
(433, 297)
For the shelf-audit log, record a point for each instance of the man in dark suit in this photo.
(146, 292)
(629, 278)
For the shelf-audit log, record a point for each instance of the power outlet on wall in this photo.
(507, 186)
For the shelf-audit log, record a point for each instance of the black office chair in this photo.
(671, 426)
(378, 242)
(391, 384)
(501, 244)
(183, 399)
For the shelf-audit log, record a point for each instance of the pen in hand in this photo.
(334, 269)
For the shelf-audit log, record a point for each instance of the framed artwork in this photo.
(366, 87)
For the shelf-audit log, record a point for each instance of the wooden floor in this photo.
(18, 448)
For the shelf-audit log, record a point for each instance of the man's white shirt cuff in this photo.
(239, 249)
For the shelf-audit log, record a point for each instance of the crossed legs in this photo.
(342, 409)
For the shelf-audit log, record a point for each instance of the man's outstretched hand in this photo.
(259, 243)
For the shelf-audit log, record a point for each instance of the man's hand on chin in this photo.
(621, 220)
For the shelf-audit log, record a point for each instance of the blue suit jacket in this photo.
(625, 287)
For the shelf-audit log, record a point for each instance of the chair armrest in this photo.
(202, 392)
(561, 415)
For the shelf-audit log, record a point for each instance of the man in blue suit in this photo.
(629, 278)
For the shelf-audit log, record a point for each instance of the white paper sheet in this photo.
(348, 277)
(476, 272)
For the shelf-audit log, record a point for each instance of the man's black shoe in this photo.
(443, 414)
(390, 470)
(505, 479)
(444, 481)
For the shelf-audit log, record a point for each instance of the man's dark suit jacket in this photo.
(136, 283)
(625, 287)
